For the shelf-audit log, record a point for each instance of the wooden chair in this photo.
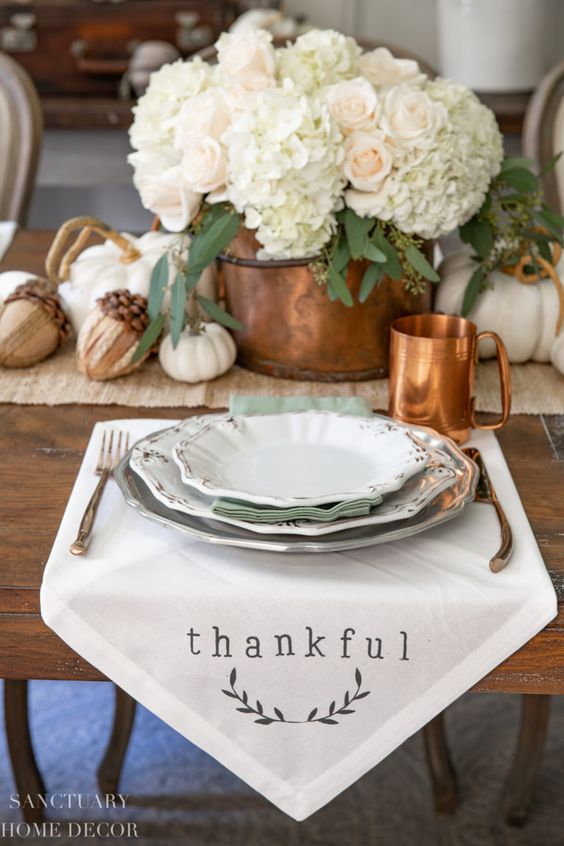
(20, 139)
(20, 143)
(543, 133)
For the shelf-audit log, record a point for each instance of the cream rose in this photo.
(244, 53)
(354, 104)
(368, 159)
(203, 164)
(205, 114)
(383, 69)
(167, 195)
(411, 117)
(245, 85)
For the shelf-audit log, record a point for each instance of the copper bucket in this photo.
(292, 330)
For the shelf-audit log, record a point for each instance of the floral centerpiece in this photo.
(327, 153)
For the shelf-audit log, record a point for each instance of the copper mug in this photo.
(432, 364)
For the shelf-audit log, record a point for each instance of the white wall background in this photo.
(407, 23)
(86, 172)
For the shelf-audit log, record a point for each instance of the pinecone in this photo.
(43, 293)
(124, 306)
(110, 335)
(32, 324)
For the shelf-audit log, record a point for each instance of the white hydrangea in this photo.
(288, 135)
(283, 171)
(157, 110)
(439, 179)
(318, 58)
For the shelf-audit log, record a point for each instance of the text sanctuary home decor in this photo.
(324, 151)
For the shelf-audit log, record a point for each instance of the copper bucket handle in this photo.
(505, 380)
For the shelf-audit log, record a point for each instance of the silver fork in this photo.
(108, 458)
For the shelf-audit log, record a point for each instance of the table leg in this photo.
(110, 767)
(520, 782)
(442, 772)
(26, 772)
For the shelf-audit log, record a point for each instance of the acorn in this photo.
(110, 335)
(32, 324)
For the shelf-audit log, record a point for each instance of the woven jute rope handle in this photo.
(58, 262)
(549, 272)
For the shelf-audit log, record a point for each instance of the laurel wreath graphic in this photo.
(326, 717)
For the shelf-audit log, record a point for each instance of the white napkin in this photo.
(7, 232)
(382, 638)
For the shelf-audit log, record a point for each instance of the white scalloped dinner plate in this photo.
(299, 458)
(151, 460)
(446, 505)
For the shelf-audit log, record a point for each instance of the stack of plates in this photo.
(306, 458)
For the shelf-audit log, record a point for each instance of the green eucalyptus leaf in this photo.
(478, 233)
(213, 212)
(540, 237)
(210, 241)
(217, 313)
(157, 286)
(357, 229)
(556, 219)
(371, 278)
(341, 254)
(339, 287)
(177, 308)
(149, 337)
(393, 265)
(472, 290)
(550, 221)
(419, 263)
(544, 251)
(331, 293)
(372, 253)
(521, 179)
(512, 162)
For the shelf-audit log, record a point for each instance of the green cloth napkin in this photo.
(252, 513)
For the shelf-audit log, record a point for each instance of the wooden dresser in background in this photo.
(77, 51)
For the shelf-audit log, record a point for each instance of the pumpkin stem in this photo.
(518, 271)
(58, 263)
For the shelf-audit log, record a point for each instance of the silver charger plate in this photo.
(151, 460)
(447, 505)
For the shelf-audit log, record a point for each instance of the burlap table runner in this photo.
(537, 388)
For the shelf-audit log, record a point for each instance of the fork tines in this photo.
(108, 458)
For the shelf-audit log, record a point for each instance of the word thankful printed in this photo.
(310, 644)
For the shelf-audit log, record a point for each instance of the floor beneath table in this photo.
(180, 794)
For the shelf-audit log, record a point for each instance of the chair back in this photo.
(543, 133)
(20, 139)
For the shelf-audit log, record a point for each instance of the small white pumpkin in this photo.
(198, 357)
(99, 269)
(524, 316)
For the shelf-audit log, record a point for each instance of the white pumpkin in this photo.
(198, 358)
(9, 281)
(98, 269)
(524, 316)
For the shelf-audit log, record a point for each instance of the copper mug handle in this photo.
(505, 379)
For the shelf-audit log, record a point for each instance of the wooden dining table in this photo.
(41, 448)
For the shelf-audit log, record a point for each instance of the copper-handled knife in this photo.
(485, 492)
